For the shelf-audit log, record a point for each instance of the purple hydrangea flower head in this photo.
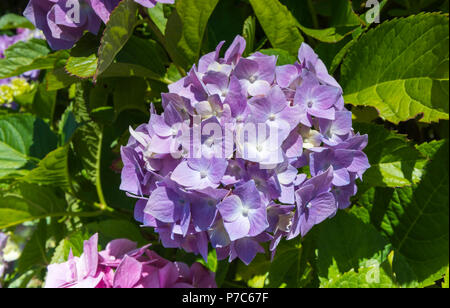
(245, 152)
(123, 265)
(62, 21)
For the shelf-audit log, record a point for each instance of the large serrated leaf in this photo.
(351, 253)
(29, 202)
(291, 265)
(342, 23)
(23, 139)
(30, 55)
(118, 30)
(278, 24)
(144, 52)
(185, 30)
(417, 223)
(34, 253)
(83, 67)
(88, 140)
(394, 160)
(53, 170)
(401, 68)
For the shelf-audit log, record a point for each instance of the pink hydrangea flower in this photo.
(123, 265)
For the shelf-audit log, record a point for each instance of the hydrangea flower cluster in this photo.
(123, 265)
(245, 152)
(65, 21)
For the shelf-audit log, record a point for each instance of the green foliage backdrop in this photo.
(60, 162)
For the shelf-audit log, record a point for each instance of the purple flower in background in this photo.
(65, 21)
(223, 164)
(62, 21)
(152, 3)
(123, 265)
(103, 8)
(5, 42)
(3, 241)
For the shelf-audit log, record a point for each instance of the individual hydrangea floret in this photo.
(123, 265)
(245, 152)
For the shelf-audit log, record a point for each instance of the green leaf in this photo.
(417, 223)
(23, 139)
(30, 55)
(146, 53)
(249, 34)
(34, 253)
(113, 229)
(445, 285)
(401, 69)
(44, 102)
(73, 242)
(129, 93)
(67, 126)
(28, 202)
(290, 267)
(13, 21)
(371, 276)
(157, 15)
(59, 79)
(88, 141)
(132, 70)
(186, 28)
(394, 160)
(118, 30)
(53, 170)
(278, 24)
(329, 35)
(283, 57)
(82, 67)
(254, 274)
(429, 149)
(351, 254)
(342, 23)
